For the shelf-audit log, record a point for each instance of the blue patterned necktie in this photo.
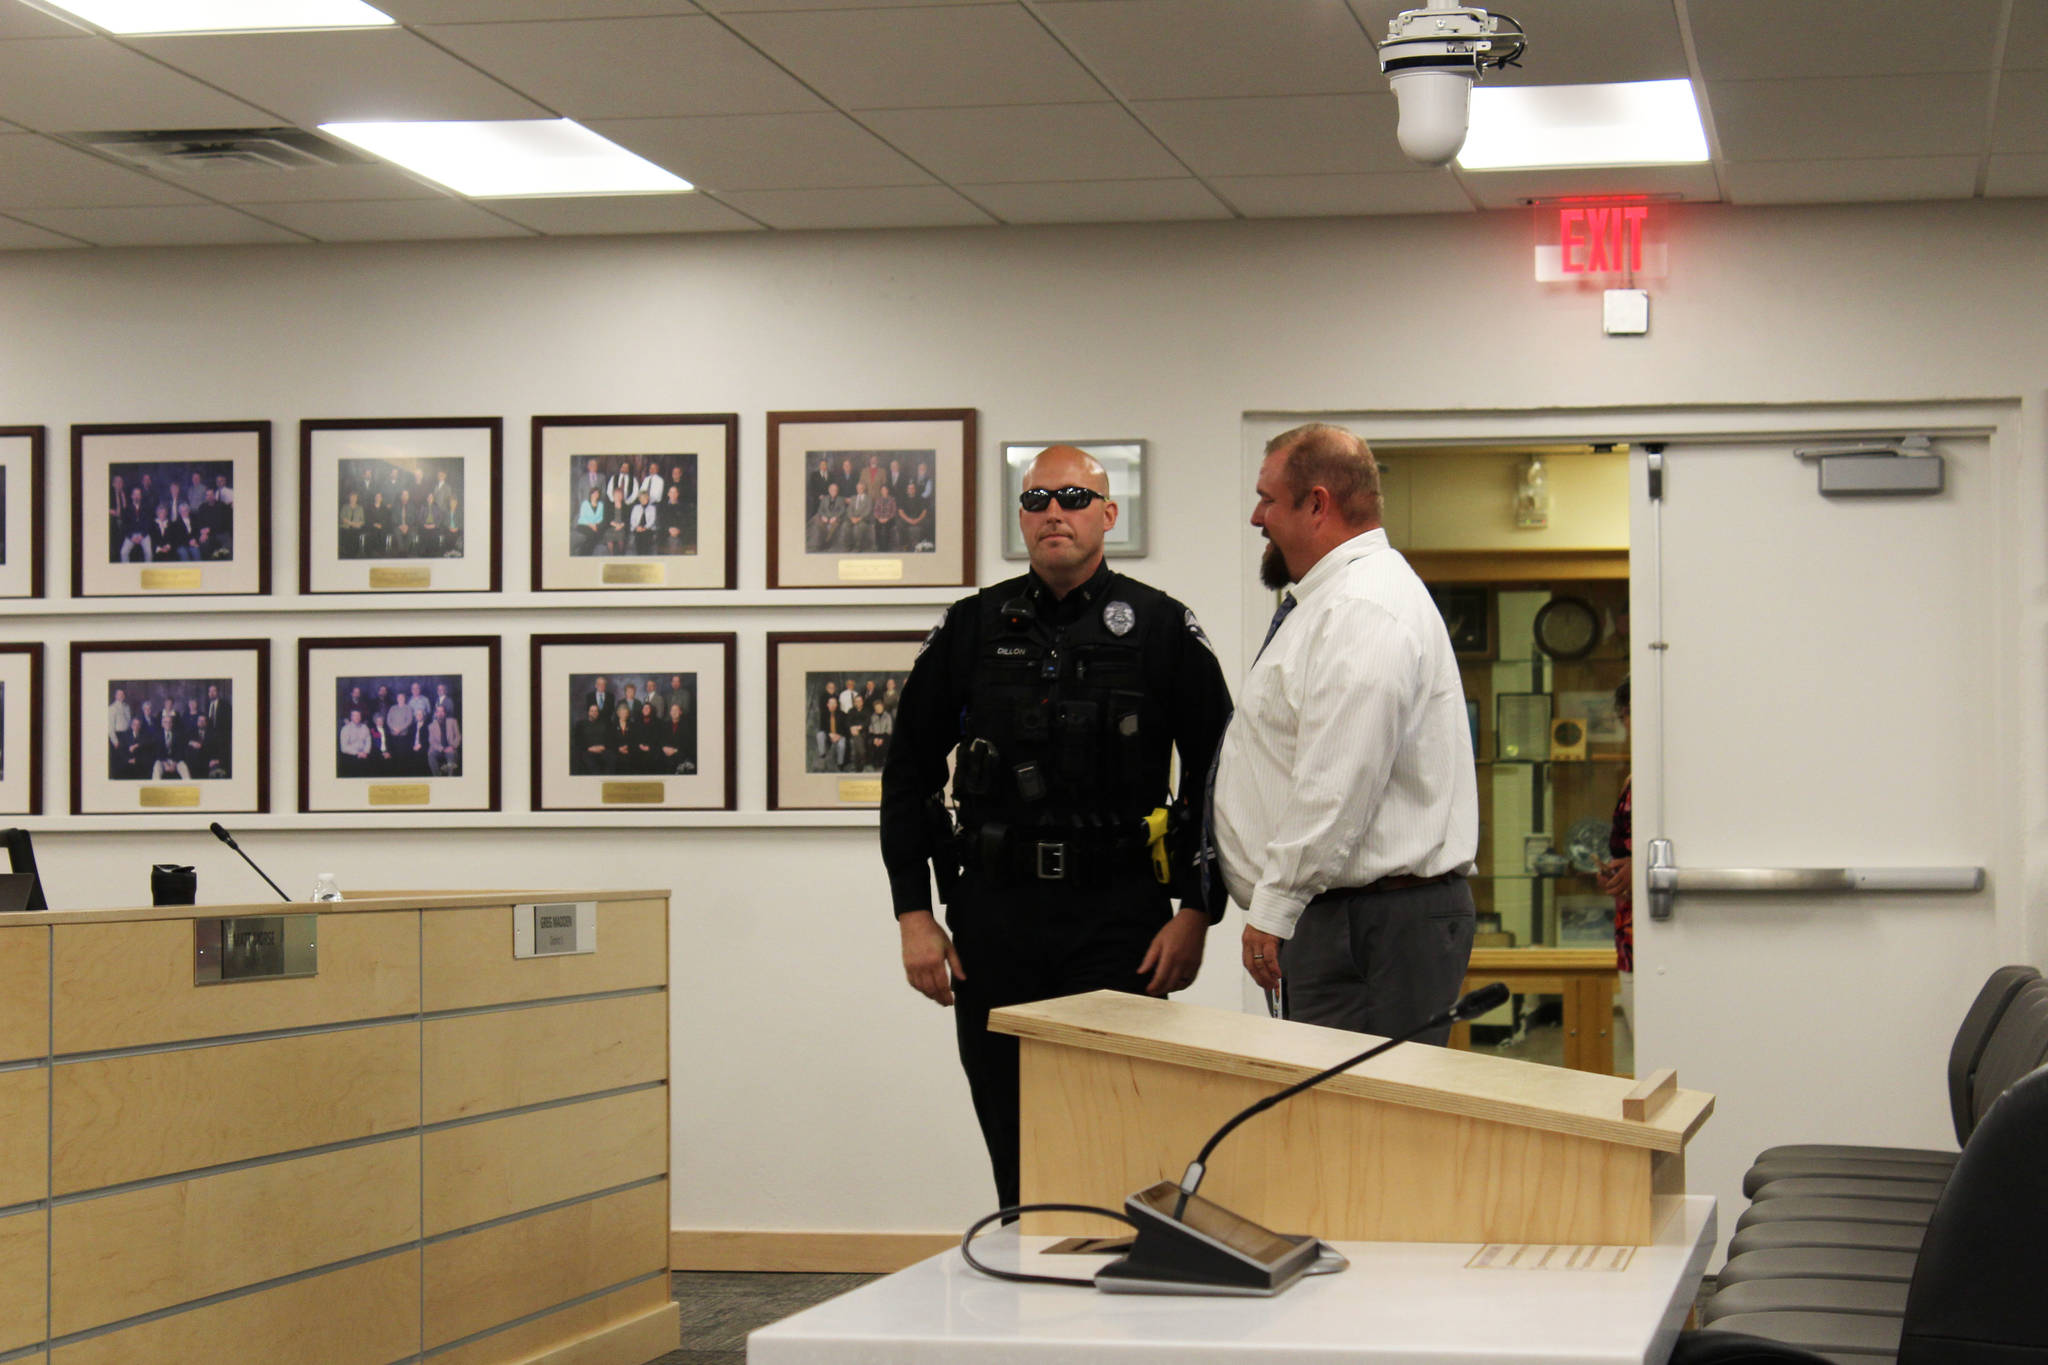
(1279, 615)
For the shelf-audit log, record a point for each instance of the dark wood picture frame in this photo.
(540, 458)
(32, 743)
(260, 709)
(494, 523)
(84, 432)
(494, 647)
(780, 641)
(952, 564)
(1471, 618)
(727, 643)
(38, 439)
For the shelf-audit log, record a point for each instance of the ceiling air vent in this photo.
(200, 151)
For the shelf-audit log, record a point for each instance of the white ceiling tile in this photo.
(909, 58)
(1343, 196)
(1831, 118)
(1510, 189)
(204, 225)
(19, 236)
(1577, 42)
(1763, 39)
(766, 151)
(768, 6)
(1299, 135)
(490, 11)
(630, 68)
(328, 183)
(2022, 124)
(20, 21)
(1868, 180)
(396, 220)
(357, 74)
(1026, 142)
(38, 173)
(76, 85)
(1191, 49)
(587, 215)
(2026, 42)
(1099, 201)
(905, 206)
(2017, 177)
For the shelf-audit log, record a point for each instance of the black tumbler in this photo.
(170, 884)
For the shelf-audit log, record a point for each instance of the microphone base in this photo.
(1203, 1248)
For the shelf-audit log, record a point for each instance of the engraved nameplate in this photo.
(254, 948)
(554, 929)
(400, 794)
(860, 790)
(160, 797)
(636, 575)
(870, 570)
(634, 793)
(171, 580)
(401, 578)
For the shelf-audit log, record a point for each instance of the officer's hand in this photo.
(930, 962)
(1176, 953)
(1262, 957)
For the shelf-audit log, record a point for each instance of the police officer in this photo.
(1060, 695)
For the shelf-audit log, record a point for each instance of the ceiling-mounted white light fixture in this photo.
(1629, 123)
(1431, 58)
(515, 158)
(222, 16)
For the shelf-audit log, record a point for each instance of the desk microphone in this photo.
(1188, 1245)
(220, 833)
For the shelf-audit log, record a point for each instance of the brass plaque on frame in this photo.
(401, 578)
(158, 798)
(870, 570)
(638, 575)
(172, 580)
(860, 789)
(400, 794)
(634, 793)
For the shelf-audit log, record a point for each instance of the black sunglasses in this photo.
(1072, 497)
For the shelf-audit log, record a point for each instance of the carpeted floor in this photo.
(720, 1308)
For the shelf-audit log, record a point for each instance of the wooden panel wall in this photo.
(24, 993)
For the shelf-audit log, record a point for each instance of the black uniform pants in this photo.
(1036, 942)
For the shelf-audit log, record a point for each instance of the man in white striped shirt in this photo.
(1346, 806)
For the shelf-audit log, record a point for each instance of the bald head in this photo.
(1064, 466)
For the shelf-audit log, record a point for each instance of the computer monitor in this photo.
(21, 856)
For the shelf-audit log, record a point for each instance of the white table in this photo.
(1400, 1301)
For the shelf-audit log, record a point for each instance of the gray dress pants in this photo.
(1380, 962)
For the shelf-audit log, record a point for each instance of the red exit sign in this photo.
(1604, 243)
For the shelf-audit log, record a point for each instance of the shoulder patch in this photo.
(1195, 629)
(933, 633)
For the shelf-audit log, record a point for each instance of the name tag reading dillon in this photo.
(258, 948)
(555, 929)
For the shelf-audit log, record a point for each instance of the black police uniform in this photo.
(1060, 715)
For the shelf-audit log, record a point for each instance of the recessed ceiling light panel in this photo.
(1529, 127)
(514, 158)
(222, 16)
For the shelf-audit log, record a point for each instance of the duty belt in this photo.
(1083, 854)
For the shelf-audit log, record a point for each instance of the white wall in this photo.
(813, 1089)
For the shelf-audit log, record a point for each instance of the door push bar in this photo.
(1666, 879)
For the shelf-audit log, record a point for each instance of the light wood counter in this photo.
(425, 1143)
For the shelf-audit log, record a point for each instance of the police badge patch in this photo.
(937, 626)
(1195, 629)
(1119, 616)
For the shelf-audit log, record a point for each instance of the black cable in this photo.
(1019, 1276)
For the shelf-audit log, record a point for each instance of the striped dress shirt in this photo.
(1350, 756)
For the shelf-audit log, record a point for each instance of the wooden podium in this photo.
(423, 1145)
(1420, 1145)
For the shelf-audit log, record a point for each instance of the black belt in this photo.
(1399, 881)
(1026, 854)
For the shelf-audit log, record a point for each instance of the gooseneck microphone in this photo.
(220, 833)
(1481, 1001)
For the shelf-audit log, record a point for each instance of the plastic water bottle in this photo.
(324, 888)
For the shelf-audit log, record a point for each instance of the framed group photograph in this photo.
(400, 505)
(832, 699)
(860, 499)
(399, 724)
(1123, 461)
(1468, 618)
(21, 511)
(21, 729)
(634, 722)
(172, 509)
(170, 726)
(635, 502)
